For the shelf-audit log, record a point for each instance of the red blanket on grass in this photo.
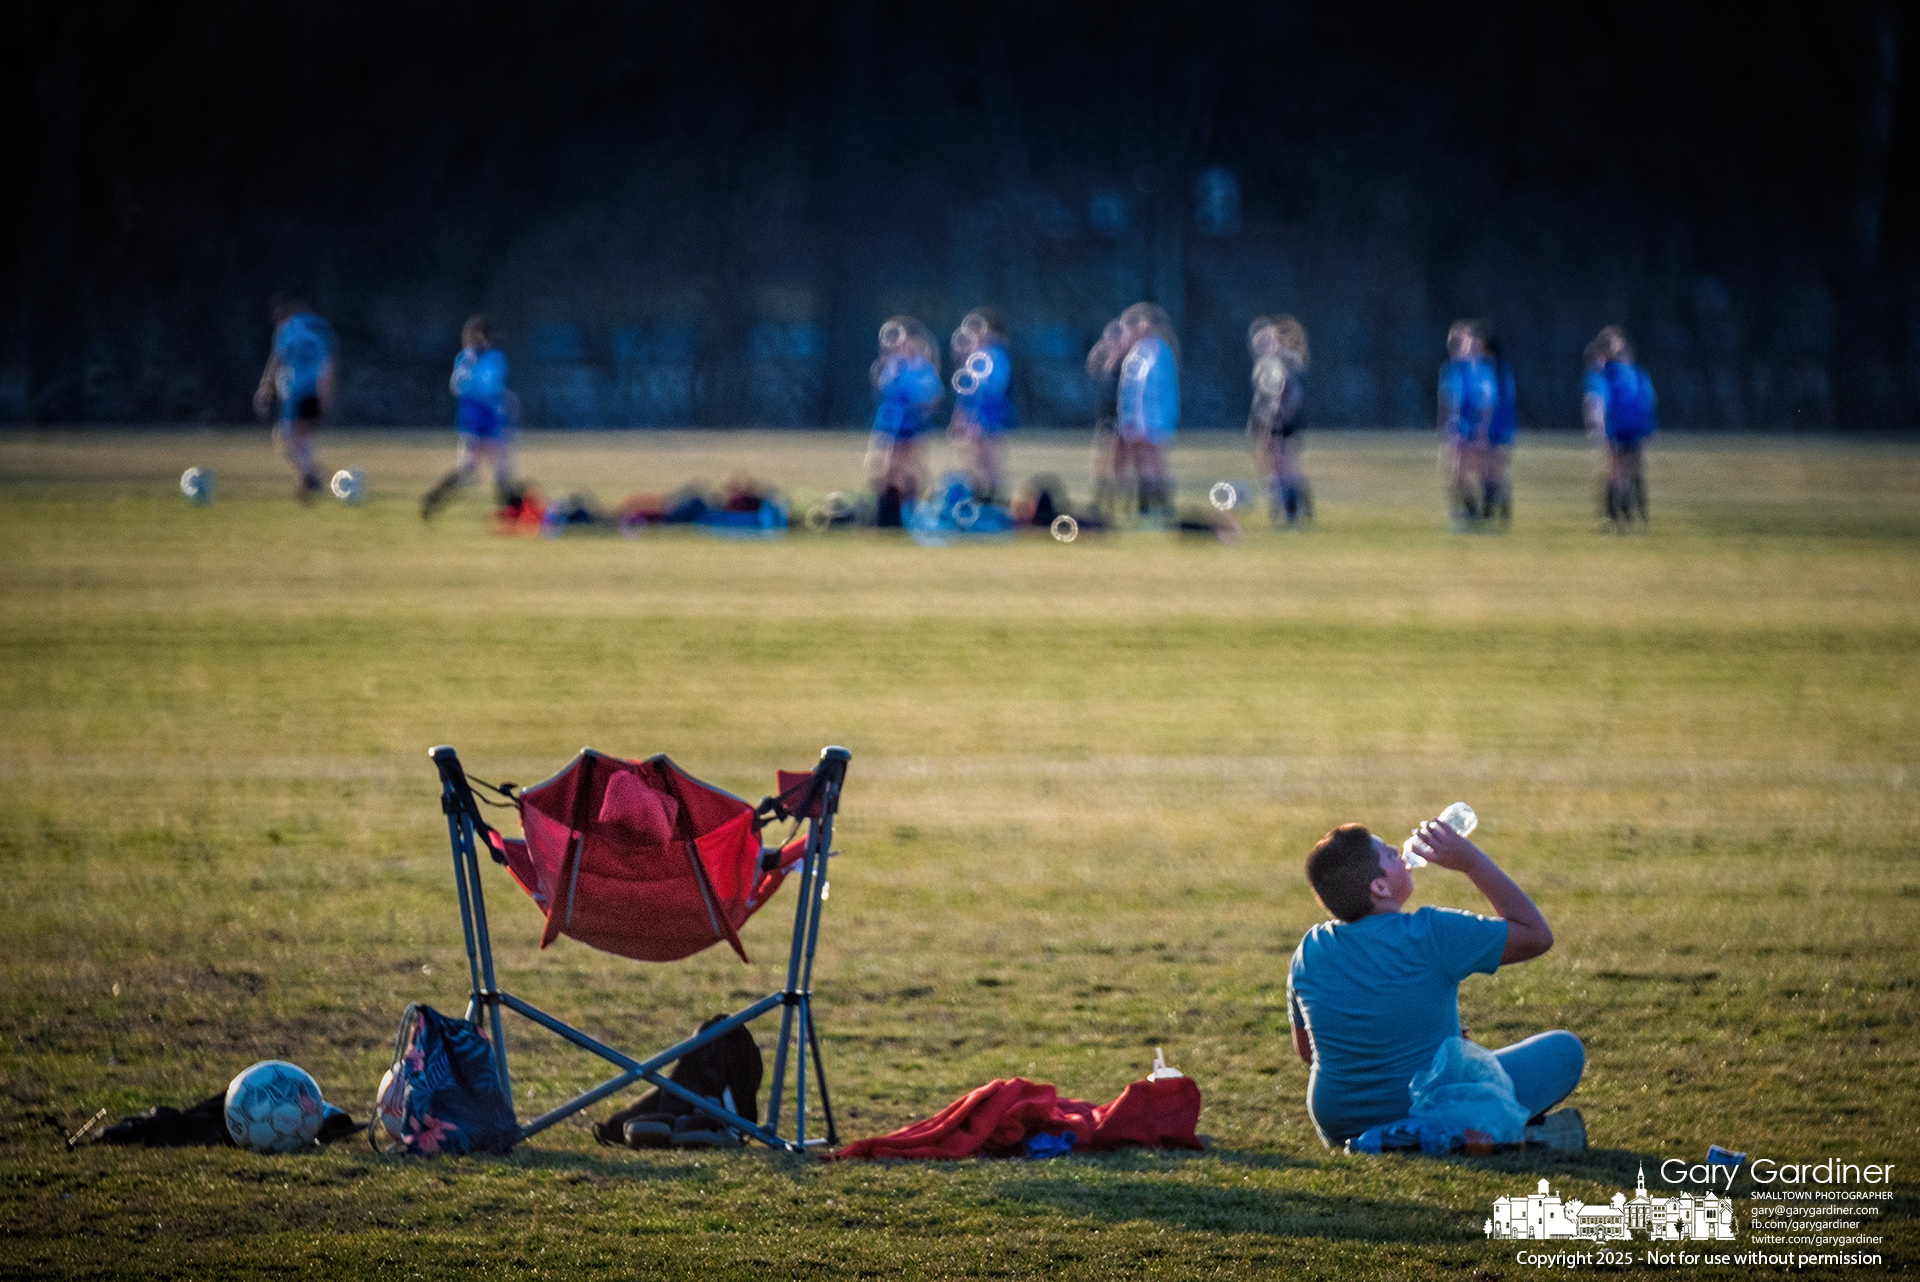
(996, 1119)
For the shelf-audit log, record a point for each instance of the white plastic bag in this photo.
(1465, 1088)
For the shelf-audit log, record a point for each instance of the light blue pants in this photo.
(1545, 1068)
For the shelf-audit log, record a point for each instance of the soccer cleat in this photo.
(1563, 1131)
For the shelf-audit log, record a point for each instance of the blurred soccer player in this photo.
(482, 416)
(1149, 405)
(1619, 410)
(1278, 345)
(300, 378)
(1468, 393)
(906, 379)
(982, 410)
(1103, 367)
(1496, 490)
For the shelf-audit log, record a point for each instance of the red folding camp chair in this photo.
(641, 859)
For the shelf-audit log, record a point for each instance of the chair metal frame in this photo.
(795, 1001)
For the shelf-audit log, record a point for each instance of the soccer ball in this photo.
(274, 1107)
(197, 484)
(350, 486)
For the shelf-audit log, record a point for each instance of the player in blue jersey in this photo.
(983, 409)
(1618, 407)
(1278, 345)
(299, 379)
(1468, 395)
(483, 416)
(1496, 490)
(906, 382)
(1148, 405)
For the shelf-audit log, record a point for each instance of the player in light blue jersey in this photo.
(484, 416)
(299, 378)
(983, 408)
(1148, 406)
(906, 381)
(1618, 406)
(1469, 392)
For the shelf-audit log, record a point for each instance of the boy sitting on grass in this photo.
(1373, 993)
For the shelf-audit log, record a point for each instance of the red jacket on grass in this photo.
(996, 1119)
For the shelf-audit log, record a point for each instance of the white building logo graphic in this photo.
(1542, 1216)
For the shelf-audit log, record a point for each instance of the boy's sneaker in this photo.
(649, 1130)
(1564, 1131)
(696, 1130)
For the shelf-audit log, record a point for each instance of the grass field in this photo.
(1084, 779)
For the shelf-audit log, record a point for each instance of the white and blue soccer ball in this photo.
(197, 484)
(274, 1107)
(350, 486)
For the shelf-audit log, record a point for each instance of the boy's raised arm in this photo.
(1528, 935)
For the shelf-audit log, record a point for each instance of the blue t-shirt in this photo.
(910, 391)
(1506, 407)
(988, 404)
(1150, 392)
(480, 384)
(302, 345)
(1378, 996)
(1626, 393)
(1469, 392)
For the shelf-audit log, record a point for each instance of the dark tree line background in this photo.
(699, 214)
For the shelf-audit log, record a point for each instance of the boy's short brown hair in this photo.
(1342, 869)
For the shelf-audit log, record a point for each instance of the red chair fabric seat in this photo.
(639, 858)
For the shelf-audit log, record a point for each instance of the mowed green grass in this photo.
(1084, 779)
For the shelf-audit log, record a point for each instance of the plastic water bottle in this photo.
(1459, 817)
(1161, 1068)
